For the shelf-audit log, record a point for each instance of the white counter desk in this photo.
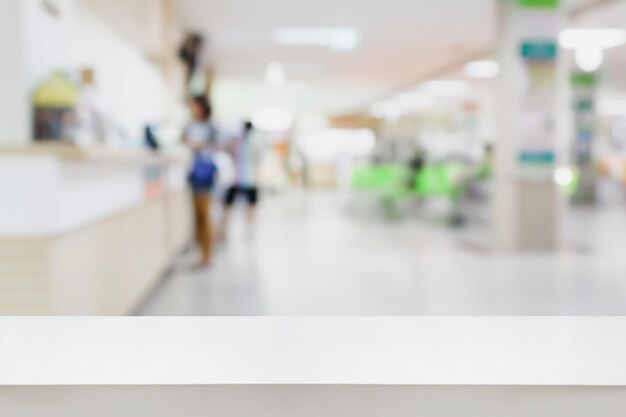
(87, 231)
(313, 366)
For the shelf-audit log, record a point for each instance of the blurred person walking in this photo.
(416, 165)
(201, 137)
(244, 151)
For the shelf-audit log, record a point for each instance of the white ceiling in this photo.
(401, 39)
(137, 20)
(612, 75)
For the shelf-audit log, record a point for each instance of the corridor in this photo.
(316, 254)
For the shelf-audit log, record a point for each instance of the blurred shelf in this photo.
(93, 153)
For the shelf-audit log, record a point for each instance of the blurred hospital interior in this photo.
(345, 157)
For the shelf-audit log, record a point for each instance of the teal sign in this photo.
(539, 51)
(537, 158)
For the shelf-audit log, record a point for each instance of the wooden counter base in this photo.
(103, 269)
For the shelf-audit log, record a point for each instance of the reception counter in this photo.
(87, 231)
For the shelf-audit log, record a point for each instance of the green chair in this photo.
(386, 182)
(439, 180)
(378, 177)
(443, 180)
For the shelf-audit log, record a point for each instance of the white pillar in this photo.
(526, 203)
(14, 117)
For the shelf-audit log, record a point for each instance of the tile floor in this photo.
(329, 253)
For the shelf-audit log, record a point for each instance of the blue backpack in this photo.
(203, 172)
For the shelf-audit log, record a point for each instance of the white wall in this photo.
(131, 87)
(33, 43)
(13, 105)
(46, 40)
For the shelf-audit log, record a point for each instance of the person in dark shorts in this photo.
(244, 153)
(251, 194)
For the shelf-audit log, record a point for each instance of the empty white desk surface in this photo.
(258, 351)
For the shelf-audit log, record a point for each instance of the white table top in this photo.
(389, 351)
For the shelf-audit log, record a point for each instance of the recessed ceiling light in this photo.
(563, 176)
(589, 59)
(447, 88)
(386, 110)
(337, 38)
(590, 44)
(413, 100)
(272, 119)
(603, 38)
(482, 69)
(275, 74)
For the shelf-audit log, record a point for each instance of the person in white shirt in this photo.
(244, 151)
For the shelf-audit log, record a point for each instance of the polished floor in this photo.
(330, 253)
